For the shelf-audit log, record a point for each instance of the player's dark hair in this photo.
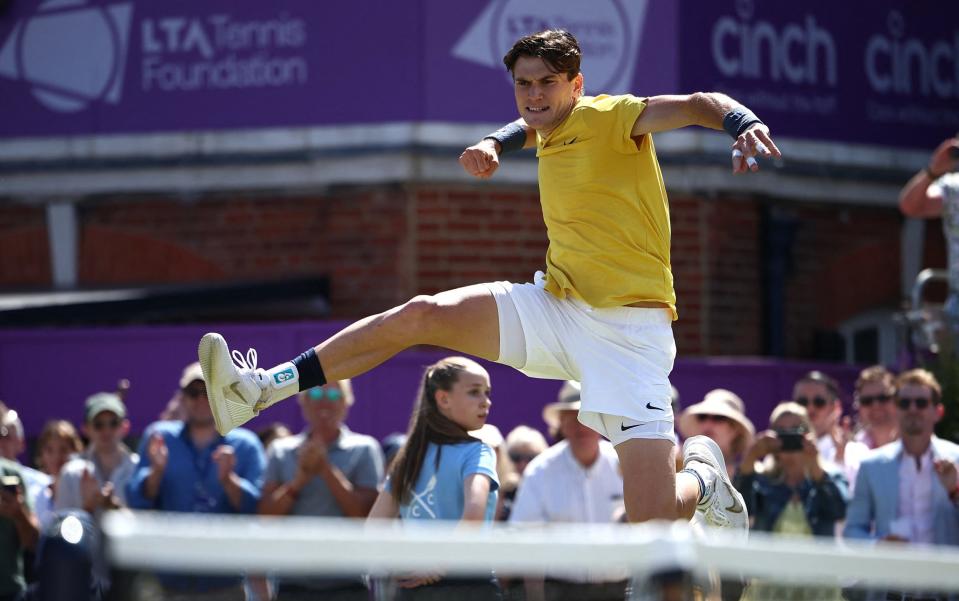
(427, 425)
(558, 49)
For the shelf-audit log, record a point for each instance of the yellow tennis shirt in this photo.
(605, 207)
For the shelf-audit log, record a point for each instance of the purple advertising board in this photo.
(883, 72)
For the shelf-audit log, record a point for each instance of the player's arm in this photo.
(919, 197)
(482, 159)
(714, 111)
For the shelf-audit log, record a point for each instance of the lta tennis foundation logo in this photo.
(69, 54)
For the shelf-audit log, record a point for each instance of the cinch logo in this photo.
(898, 64)
(608, 32)
(798, 53)
(70, 54)
(284, 376)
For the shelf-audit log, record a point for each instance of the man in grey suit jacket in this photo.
(906, 490)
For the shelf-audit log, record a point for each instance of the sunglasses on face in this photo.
(324, 394)
(521, 457)
(102, 424)
(867, 401)
(817, 402)
(195, 391)
(707, 417)
(920, 403)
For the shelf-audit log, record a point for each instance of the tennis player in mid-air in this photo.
(602, 311)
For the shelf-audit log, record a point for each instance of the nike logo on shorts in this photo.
(648, 406)
(624, 427)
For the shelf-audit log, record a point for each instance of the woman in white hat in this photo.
(720, 416)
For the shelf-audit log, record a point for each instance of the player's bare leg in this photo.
(463, 320)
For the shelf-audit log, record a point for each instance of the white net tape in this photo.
(208, 543)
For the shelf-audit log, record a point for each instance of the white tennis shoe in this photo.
(234, 389)
(721, 506)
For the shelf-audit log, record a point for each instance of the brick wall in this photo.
(356, 237)
(381, 245)
(845, 261)
(24, 247)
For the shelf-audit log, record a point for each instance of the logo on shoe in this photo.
(281, 377)
(736, 507)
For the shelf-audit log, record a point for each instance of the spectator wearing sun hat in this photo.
(575, 480)
(96, 479)
(720, 416)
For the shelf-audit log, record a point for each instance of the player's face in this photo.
(467, 402)
(544, 98)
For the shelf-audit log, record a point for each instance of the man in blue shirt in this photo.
(186, 466)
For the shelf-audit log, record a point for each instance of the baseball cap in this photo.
(191, 373)
(104, 401)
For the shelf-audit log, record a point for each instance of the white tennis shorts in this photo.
(621, 356)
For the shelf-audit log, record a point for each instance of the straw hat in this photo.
(567, 400)
(717, 402)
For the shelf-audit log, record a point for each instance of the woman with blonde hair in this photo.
(793, 492)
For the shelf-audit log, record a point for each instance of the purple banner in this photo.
(114, 66)
(884, 72)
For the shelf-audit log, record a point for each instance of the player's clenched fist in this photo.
(480, 160)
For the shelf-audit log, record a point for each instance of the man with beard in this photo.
(187, 466)
(906, 490)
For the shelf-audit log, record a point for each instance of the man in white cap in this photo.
(96, 480)
(720, 416)
(576, 480)
(186, 466)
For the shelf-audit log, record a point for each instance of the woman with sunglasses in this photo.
(819, 396)
(96, 480)
(790, 490)
(720, 416)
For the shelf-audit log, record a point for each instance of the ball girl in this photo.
(443, 473)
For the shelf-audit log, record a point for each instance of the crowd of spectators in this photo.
(876, 471)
